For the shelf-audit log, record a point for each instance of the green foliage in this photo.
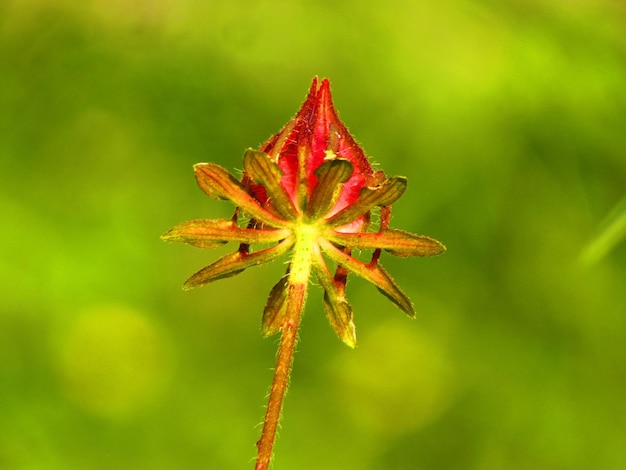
(507, 119)
(612, 232)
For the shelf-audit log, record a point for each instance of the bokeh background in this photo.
(509, 119)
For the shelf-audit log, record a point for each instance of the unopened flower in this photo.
(308, 193)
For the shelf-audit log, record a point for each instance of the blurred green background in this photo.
(509, 119)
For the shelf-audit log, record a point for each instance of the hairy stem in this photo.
(299, 271)
(295, 306)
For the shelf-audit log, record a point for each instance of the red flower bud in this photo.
(315, 135)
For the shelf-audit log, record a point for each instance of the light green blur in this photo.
(507, 118)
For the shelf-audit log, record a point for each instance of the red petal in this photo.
(318, 131)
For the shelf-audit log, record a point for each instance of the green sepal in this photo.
(234, 263)
(205, 233)
(275, 308)
(384, 195)
(217, 182)
(330, 176)
(337, 308)
(373, 273)
(396, 242)
(263, 171)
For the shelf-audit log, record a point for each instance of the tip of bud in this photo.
(304, 144)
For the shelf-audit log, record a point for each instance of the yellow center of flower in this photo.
(306, 236)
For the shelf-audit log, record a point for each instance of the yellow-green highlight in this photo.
(507, 118)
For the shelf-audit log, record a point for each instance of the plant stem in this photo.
(295, 306)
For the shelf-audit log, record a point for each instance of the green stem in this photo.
(297, 296)
(299, 271)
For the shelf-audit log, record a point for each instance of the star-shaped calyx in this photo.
(310, 192)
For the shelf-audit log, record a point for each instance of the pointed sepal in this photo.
(338, 310)
(205, 233)
(234, 263)
(396, 242)
(330, 178)
(383, 195)
(263, 171)
(275, 310)
(217, 182)
(373, 273)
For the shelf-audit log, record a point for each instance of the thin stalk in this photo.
(295, 306)
(299, 271)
